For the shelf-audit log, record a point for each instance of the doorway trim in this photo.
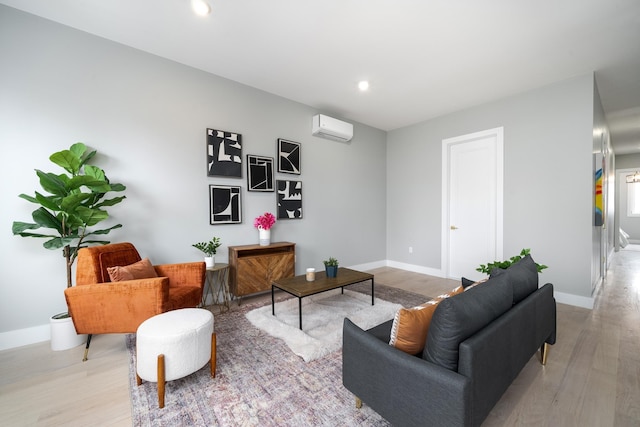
(498, 135)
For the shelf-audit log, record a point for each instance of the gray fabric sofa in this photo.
(477, 344)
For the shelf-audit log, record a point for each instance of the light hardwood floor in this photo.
(592, 377)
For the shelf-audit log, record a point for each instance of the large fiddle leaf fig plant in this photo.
(71, 203)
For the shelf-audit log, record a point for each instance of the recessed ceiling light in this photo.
(201, 7)
(363, 85)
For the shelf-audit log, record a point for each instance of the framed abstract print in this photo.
(224, 153)
(288, 156)
(259, 173)
(289, 199)
(225, 205)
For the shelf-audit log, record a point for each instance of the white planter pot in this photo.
(63, 334)
(265, 237)
(210, 261)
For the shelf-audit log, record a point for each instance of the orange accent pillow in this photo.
(139, 270)
(410, 325)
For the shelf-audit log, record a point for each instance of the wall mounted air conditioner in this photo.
(330, 128)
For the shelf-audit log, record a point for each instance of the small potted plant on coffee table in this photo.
(331, 267)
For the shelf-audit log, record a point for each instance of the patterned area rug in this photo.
(322, 318)
(259, 381)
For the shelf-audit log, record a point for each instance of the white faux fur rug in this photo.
(322, 318)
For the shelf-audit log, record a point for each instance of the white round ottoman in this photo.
(173, 345)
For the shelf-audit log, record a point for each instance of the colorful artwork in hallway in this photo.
(599, 194)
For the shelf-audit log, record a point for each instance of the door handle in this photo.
(453, 227)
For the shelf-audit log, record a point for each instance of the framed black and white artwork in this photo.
(225, 204)
(259, 173)
(289, 199)
(224, 153)
(288, 156)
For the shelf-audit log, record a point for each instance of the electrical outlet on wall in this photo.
(410, 249)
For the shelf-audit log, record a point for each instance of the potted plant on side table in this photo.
(209, 249)
(72, 202)
(331, 267)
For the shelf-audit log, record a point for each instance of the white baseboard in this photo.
(20, 337)
(369, 265)
(416, 268)
(575, 300)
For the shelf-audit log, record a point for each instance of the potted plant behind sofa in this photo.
(70, 204)
(209, 249)
(331, 267)
(488, 268)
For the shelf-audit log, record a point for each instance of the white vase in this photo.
(63, 333)
(265, 237)
(210, 261)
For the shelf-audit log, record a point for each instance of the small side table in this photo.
(217, 284)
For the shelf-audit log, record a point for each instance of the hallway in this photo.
(592, 377)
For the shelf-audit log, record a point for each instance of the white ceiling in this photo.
(423, 58)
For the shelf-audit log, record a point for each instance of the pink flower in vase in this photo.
(264, 222)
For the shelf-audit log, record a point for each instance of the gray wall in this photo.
(628, 161)
(548, 181)
(147, 117)
(365, 202)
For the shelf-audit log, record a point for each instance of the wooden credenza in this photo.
(252, 268)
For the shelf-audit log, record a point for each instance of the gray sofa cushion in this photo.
(459, 317)
(466, 282)
(523, 276)
(382, 331)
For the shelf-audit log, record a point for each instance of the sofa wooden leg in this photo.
(213, 355)
(358, 402)
(544, 351)
(161, 380)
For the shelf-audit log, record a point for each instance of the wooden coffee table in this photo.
(299, 287)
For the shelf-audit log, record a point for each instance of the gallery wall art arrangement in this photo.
(224, 159)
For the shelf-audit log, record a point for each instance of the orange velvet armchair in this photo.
(99, 306)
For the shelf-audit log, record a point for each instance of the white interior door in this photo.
(472, 202)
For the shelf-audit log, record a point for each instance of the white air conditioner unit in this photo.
(330, 128)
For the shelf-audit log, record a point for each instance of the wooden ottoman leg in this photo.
(161, 380)
(138, 379)
(213, 355)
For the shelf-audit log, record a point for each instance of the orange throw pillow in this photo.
(410, 325)
(139, 270)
